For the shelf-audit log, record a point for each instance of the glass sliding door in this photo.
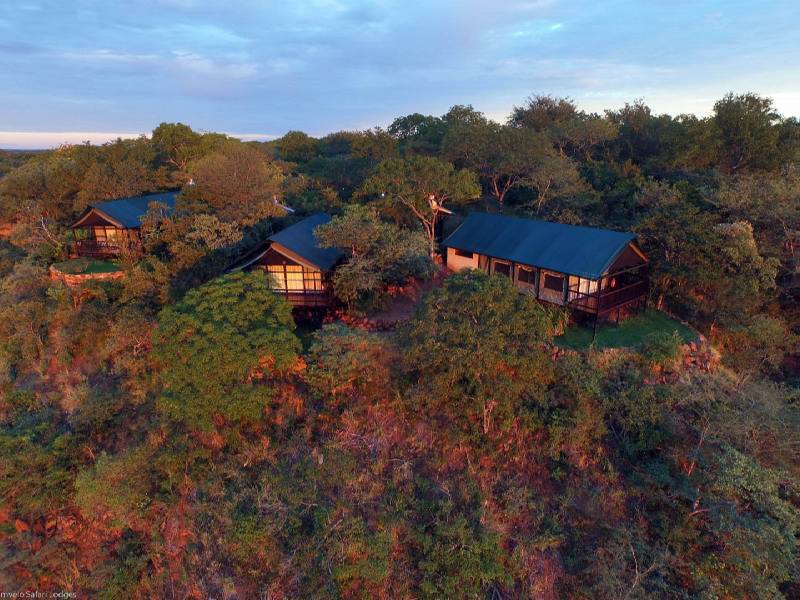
(581, 292)
(581, 286)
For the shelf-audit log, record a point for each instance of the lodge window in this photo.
(526, 275)
(553, 282)
(462, 253)
(103, 234)
(276, 276)
(312, 280)
(502, 268)
(294, 278)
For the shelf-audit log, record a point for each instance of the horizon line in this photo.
(48, 140)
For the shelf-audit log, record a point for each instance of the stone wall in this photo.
(75, 280)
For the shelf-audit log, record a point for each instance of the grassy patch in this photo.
(630, 333)
(85, 266)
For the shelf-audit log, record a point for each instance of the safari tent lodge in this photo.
(105, 229)
(593, 271)
(296, 265)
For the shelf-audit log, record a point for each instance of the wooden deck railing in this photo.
(604, 301)
(91, 248)
(306, 297)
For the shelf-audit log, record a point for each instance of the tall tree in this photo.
(238, 183)
(541, 112)
(552, 176)
(658, 143)
(748, 132)
(418, 134)
(297, 147)
(423, 186)
(506, 157)
(178, 146)
(380, 254)
(772, 204)
(178, 143)
(578, 136)
(461, 114)
(747, 278)
(124, 168)
(375, 145)
(680, 241)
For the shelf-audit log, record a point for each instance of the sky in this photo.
(75, 70)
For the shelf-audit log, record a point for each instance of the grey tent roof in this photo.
(300, 239)
(129, 211)
(584, 251)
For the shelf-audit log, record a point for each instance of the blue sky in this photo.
(90, 69)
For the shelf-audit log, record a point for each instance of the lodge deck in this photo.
(605, 301)
(93, 248)
(306, 299)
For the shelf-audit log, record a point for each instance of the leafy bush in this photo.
(662, 349)
(380, 254)
(216, 347)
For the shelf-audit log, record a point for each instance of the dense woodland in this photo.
(174, 434)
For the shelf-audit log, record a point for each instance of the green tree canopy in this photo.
(349, 363)
(747, 133)
(573, 132)
(771, 204)
(380, 254)
(218, 347)
(375, 144)
(541, 112)
(507, 157)
(178, 145)
(297, 147)
(238, 183)
(680, 241)
(418, 133)
(476, 347)
(746, 278)
(422, 186)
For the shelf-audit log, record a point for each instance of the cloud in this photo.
(102, 55)
(321, 65)
(194, 64)
(187, 33)
(196, 73)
